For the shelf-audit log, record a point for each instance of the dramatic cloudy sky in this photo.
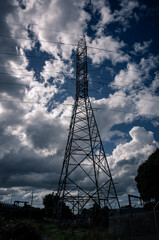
(37, 87)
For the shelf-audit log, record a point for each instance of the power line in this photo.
(37, 26)
(66, 88)
(15, 101)
(25, 84)
(35, 71)
(24, 69)
(51, 30)
(135, 113)
(112, 84)
(73, 79)
(145, 99)
(108, 66)
(26, 102)
(35, 56)
(24, 55)
(97, 108)
(57, 42)
(101, 49)
(13, 75)
(66, 73)
(73, 61)
(111, 51)
(23, 75)
(8, 83)
(32, 75)
(41, 40)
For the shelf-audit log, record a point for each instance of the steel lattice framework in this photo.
(85, 177)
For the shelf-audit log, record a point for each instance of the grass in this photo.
(52, 232)
(21, 229)
(18, 229)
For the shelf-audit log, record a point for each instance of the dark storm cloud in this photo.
(11, 117)
(44, 133)
(8, 193)
(26, 168)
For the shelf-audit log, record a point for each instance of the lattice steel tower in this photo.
(85, 177)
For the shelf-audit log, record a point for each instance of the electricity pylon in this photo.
(85, 177)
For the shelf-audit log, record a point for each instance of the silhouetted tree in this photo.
(50, 200)
(100, 216)
(96, 212)
(52, 204)
(148, 178)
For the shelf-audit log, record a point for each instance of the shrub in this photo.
(18, 230)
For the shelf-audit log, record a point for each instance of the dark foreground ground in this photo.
(28, 230)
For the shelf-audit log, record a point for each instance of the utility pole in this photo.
(31, 204)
